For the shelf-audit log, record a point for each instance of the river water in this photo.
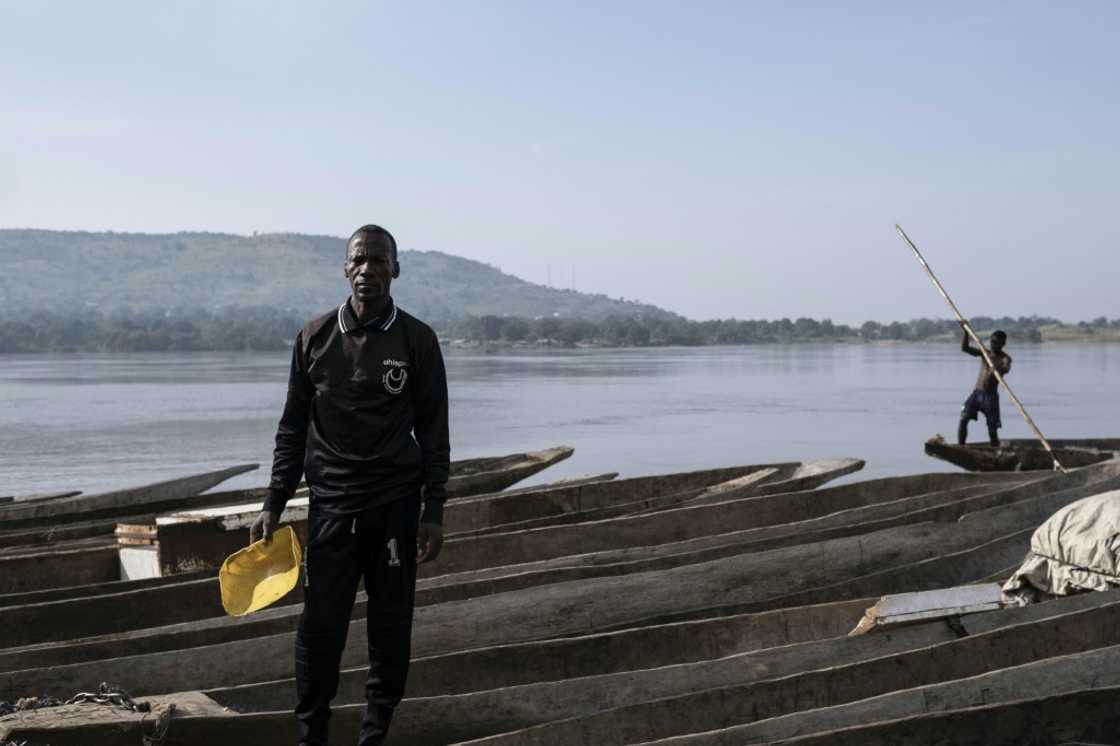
(100, 422)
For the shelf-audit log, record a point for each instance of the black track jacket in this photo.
(366, 415)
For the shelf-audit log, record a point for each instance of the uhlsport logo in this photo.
(395, 377)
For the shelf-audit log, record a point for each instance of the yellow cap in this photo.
(260, 574)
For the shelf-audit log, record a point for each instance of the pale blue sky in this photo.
(720, 159)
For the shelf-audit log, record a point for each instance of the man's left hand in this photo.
(429, 542)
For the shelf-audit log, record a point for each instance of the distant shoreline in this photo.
(270, 329)
(475, 344)
(503, 346)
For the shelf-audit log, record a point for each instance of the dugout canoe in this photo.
(1096, 668)
(740, 699)
(468, 476)
(46, 535)
(199, 539)
(1024, 454)
(494, 510)
(1085, 718)
(466, 614)
(39, 558)
(557, 659)
(919, 557)
(684, 523)
(26, 537)
(482, 475)
(169, 604)
(38, 496)
(73, 530)
(473, 583)
(770, 480)
(150, 497)
(793, 675)
(161, 604)
(47, 595)
(479, 692)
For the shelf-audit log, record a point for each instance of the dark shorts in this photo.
(981, 401)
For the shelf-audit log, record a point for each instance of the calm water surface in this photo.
(99, 422)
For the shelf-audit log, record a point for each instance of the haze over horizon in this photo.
(718, 160)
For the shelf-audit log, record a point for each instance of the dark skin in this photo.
(986, 382)
(370, 267)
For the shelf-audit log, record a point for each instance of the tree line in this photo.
(268, 328)
(617, 331)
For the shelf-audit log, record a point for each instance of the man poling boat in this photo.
(985, 397)
(983, 352)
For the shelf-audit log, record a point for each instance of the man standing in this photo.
(366, 423)
(985, 397)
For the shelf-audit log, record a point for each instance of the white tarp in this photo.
(1076, 549)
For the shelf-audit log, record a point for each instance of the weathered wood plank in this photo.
(1095, 669)
(1091, 717)
(753, 702)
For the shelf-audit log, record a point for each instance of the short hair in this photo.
(371, 230)
(999, 334)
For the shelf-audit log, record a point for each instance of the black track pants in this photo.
(378, 545)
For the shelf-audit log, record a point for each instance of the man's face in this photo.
(996, 342)
(369, 267)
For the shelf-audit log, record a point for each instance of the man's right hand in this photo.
(264, 526)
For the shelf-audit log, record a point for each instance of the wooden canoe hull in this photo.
(1023, 455)
(1096, 667)
(38, 496)
(1086, 718)
(771, 481)
(468, 477)
(151, 604)
(150, 497)
(772, 707)
(789, 676)
(903, 558)
(1089, 717)
(75, 530)
(483, 475)
(161, 604)
(197, 541)
(748, 583)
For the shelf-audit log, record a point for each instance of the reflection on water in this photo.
(97, 422)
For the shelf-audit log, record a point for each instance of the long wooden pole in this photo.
(983, 350)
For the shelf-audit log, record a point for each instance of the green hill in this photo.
(54, 270)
